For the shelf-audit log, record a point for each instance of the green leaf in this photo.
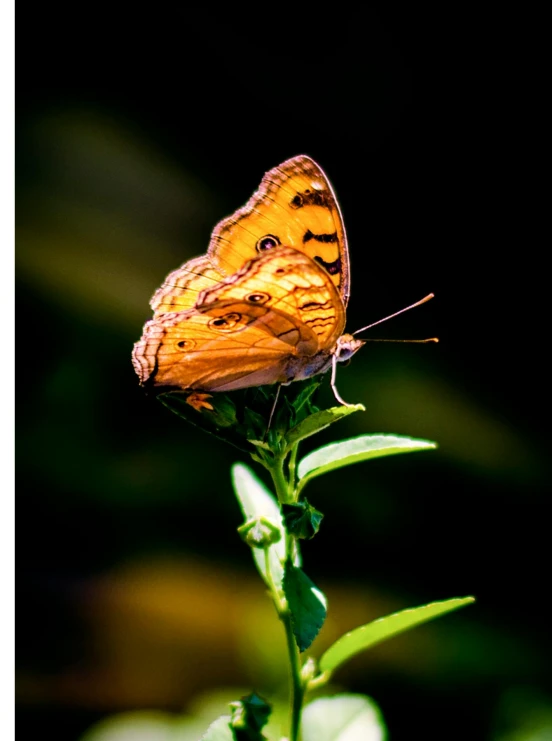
(220, 421)
(307, 605)
(354, 450)
(255, 423)
(256, 502)
(249, 717)
(219, 730)
(283, 415)
(302, 519)
(343, 718)
(319, 421)
(260, 444)
(379, 630)
(303, 400)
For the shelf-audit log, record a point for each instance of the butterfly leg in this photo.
(272, 411)
(332, 383)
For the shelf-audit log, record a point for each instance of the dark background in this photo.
(136, 132)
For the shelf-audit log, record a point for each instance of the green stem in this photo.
(280, 482)
(296, 699)
(296, 689)
(284, 491)
(296, 685)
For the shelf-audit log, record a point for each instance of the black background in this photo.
(136, 132)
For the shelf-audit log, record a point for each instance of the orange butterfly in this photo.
(266, 304)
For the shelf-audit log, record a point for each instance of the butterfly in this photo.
(267, 303)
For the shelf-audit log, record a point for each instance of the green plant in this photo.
(273, 528)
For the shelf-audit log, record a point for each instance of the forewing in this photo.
(294, 206)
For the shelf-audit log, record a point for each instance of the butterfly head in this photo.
(346, 346)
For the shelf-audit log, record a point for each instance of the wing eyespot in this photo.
(258, 298)
(268, 242)
(228, 321)
(186, 344)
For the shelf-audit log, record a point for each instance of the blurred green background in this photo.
(136, 132)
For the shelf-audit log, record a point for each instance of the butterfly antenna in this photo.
(428, 339)
(391, 316)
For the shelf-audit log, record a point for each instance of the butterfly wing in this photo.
(294, 206)
(182, 287)
(228, 347)
(280, 310)
(289, 282)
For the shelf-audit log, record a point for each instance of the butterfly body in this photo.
(266, 304)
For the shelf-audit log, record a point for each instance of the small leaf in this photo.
(303, 403)
(302, 519)
(354, 450)
(219, 730)
(260, 444)
(218, 422)
(249, 716)
(379, 630)
(319, 421)
(343, 718)
(282, 419)
(307, 605)
(274, 439)
(257, 502)
(255, 424)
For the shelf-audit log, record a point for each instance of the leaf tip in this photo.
(239, 468)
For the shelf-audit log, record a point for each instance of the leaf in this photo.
(343, 718)
(218, 422)
(219, 730)
(260, 444)
(379, 630)
(307, 605)
(255, 502)
(303, 399)
(283, 416)
(255, 423)
(249, 717)
(354, 450)
(319, 421)
(302, 519)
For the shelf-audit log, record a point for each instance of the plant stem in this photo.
(296, 694)
(284, 491)
(280, 482)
